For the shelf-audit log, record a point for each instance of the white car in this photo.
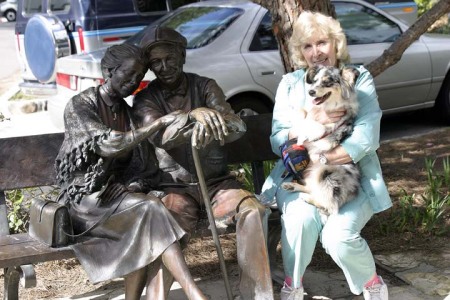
(8, 10)
(232, 42)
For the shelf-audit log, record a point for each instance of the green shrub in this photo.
(246, 173)
(424, 5)
(18, 202)
(17, 215)
(441, 26)
(429, 216)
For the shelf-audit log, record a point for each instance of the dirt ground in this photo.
(403, 164)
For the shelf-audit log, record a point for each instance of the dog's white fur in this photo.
(328, 186)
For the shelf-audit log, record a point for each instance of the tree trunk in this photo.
(285, 12)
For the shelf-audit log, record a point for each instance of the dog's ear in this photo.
(350, 75)
(311, 73)
(348, 80)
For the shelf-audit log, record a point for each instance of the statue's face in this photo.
(166, 62)
(125, 79)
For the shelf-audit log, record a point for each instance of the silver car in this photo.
(232, 42)
(8, 10)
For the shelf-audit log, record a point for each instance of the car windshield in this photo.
(199, 25)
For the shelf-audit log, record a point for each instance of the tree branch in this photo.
(394, 53)
(284, 12)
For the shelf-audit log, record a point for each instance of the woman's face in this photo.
(319, 50)
(126, 78)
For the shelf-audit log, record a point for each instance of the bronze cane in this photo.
(212, 222)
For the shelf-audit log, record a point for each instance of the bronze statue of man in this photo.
(206, 121)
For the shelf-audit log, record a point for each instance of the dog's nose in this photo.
(312, 92)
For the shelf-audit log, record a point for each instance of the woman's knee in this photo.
(300, 214)
(133, 199)
(184, 209)
(340, 242)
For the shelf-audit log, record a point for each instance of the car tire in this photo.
(443, 101)
(45, 41)
(249, 106)
(10, 15)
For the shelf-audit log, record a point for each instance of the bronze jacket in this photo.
(79, 169)
(173, 145)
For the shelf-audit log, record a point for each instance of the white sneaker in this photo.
(288, 293)
(376, 291)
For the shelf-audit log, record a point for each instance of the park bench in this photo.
(28, 161)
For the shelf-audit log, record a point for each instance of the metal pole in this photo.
(212, 222)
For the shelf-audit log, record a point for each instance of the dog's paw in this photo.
(315, 131)
(325, 144)
(290, 186)
(309, 130)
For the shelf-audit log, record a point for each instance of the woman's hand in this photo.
(336, 156)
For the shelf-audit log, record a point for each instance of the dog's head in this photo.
(328, 80)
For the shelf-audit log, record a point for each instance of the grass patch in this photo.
(21, 96)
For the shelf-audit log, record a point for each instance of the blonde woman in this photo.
(319, 40)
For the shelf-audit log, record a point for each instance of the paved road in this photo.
(410, 124)
(9, 62)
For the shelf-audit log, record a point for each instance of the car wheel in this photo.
(249, 106)
(443, 101)
(45, 41)
(10, 15)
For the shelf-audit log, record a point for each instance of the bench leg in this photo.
(273, 239)
(4, 226)
(25, 275)
(12, 277)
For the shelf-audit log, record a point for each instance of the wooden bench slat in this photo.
(28, 161)
(14, 239)
(255, 144)
(21, 249)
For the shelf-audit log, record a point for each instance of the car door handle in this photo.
(268, 73)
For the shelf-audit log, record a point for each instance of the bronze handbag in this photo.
(50, 223)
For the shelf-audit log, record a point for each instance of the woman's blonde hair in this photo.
(311, 24)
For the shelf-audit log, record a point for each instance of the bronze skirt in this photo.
(136, 234)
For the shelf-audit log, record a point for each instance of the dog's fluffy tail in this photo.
(338, 184)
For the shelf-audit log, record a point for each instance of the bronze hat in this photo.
(158, 35)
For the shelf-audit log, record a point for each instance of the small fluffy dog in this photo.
(328, 186)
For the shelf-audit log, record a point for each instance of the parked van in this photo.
(49, 29)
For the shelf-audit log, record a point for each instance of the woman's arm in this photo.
(282, 111)
(119, 142)
(365, 137)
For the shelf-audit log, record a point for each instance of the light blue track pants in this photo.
(340, 236)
